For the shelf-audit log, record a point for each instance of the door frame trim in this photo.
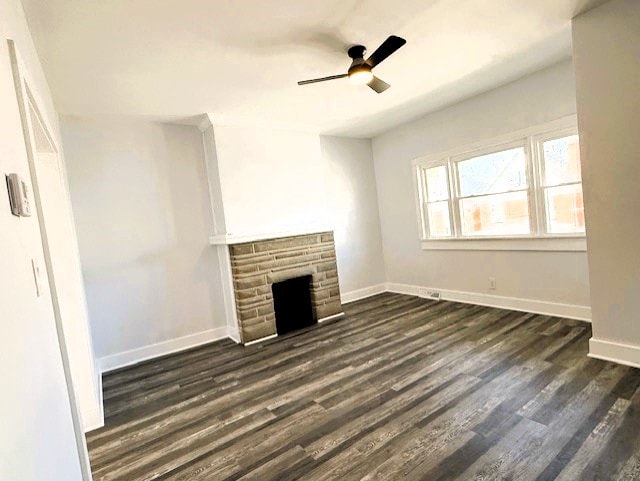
(26, 100)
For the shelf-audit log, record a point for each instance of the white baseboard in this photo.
(92, 419)
(403, 288)
(627, 354)
(134, 356)
(127, 358)
(234, 335)
(358, 294)
(571, 311)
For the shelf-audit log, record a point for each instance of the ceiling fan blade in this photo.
(323, 79)
(378, 85)
(389, 46)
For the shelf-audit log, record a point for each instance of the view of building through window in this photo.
(563, 189)
(438, 201)
(496, 215)
(493, 193)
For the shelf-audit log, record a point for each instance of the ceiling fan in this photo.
(360, 70)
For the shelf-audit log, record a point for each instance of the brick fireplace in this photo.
(257, 265)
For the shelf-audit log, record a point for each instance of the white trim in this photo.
(134, 356)
(626, 354)
(537, 143)
(26, 101)
(530, 140)
(101, 393)
(228, 294)
(566, 244)
(95, 420)
(92, 420)
(228, 239)
(262, 339)
(332, 317)
(204, 123)
(233, 335)
(571, 311)
(363, 293)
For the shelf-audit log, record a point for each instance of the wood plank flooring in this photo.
(401, 388)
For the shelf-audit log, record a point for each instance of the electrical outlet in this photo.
(492, 283)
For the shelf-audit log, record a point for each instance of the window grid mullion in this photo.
(542, 208)
(562, 184)
(480, 196)
(545, 187)
(424, 203)
(537, 214)
(455, 205)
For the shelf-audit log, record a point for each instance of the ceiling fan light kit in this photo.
(360, 74)
(360, 71)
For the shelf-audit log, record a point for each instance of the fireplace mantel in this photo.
(230, 239)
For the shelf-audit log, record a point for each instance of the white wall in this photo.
(143, 216)
(272, 180)
(606, 43)
(557, 277)
(37, 439)
(352, 206)
(268, 181)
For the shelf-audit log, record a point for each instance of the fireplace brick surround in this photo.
(257, 265)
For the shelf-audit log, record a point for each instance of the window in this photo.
(436, 202)
(562, 185)
(526, 186)
(493, 194)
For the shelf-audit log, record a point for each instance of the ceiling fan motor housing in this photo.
(356, 52)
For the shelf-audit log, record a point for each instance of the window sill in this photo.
(561, 244)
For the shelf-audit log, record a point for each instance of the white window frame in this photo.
(537, 146)
(539, 239)
(424, 201)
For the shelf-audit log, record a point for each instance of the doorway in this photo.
(63, 273)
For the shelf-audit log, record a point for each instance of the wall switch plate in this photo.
(492, 283)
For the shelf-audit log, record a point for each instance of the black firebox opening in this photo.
(292, 304)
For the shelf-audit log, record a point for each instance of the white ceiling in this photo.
(240, 59)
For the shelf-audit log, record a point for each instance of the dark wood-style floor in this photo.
(402, 388)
